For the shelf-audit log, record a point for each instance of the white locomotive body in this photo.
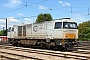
(61, 32)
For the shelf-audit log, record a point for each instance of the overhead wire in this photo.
(12, 10)
(31, 5)
(67, 13)
(22, 7)
(73, 6)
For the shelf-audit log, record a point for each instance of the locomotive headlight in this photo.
(73, 42)
(66, 37)
(60, 43)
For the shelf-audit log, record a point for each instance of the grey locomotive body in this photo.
(61, 33)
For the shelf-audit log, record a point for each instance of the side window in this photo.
(9, 29)
(58, 25)
(12, 29)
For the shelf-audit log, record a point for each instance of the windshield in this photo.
(71, 25)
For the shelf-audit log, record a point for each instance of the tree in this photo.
(44, 17)
(84, 30)
(3, 33)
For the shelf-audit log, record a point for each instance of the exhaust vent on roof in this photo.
(64, 18)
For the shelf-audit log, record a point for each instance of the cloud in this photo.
(12, 20)
(27, 20)
(1, 25)
(67, 4)
(2, 21)
(13, 3)
(64, 3)
(78, 18)
(42, 7)
(9, 19)
(20, 14)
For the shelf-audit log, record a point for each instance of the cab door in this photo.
(57, 31)
(12, 33)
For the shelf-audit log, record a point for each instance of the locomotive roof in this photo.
(57, 20)
(54, 20)
(64, 20)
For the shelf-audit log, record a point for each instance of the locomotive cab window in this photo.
(12, 29)
(9, 29)
(71, 25)
(58, 25)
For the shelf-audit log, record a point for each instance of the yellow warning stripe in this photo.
(76, 39)
(63, 41)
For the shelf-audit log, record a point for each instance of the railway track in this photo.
(17, 53)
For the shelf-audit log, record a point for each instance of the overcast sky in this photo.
(25, 11)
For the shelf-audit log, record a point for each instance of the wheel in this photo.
(14, 43)
(9, 41)
(52, 45)
(48, 45)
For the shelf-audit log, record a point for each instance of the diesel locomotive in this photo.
(58, 33)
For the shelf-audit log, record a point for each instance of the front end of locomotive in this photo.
(65, 33)
(70, 34)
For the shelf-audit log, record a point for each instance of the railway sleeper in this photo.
(8, 58)
(19, 56)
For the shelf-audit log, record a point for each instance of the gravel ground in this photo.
(3, 42)
(35, 55)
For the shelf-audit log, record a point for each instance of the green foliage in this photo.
(3, 33)
(44, 17)
(84, 30)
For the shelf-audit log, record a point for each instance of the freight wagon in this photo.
(58, 33)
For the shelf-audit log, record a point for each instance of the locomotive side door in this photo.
(57, 31)
(49, 29)
(13, 32)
